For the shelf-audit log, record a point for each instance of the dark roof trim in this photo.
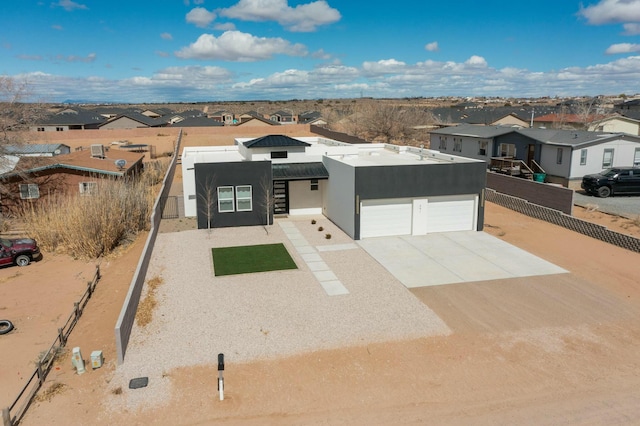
(274, 141)
(299, 171)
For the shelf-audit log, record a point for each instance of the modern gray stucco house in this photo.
(368, 190)
(565, 155)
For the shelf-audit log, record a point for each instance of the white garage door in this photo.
(381, 218)
(452, 213)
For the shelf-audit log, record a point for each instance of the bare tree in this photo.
(587, 112)
(266, 185)
(16, 114)
(208, 198)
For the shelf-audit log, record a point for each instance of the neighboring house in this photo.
(132, 120)
(37, 150)
(368, 190)
(283, 117)
(510, 116)
(631, 105)
(225, 117)
(69, 119)
(196, 122)
(312, 117)
(617, 124)
(252, 118)
(38, 178)
(565, 155)
(566, 121)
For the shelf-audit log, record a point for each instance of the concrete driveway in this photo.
(454, 257)
(622, 205)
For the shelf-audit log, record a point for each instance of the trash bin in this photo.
(539, 177)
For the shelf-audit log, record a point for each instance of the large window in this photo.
(88, 188)
(559, 156)
(243, 198)
(583, 157)
(607, 158)
(29, 191)
(507, 150)
(636, 157)
(225, 199)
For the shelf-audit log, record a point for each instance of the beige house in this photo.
(617, 124)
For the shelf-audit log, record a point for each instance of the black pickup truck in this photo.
(617, 180)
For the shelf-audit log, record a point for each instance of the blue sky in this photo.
(215, 50)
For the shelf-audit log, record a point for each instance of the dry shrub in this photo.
(144, 315)
(53, 390)
(88, 227)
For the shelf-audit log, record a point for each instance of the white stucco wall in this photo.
(339, 195)
(302, 200)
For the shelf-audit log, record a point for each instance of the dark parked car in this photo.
(617, 180)
(19, 251)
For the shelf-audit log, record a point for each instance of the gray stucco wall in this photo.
(210, 176)
(428, 180)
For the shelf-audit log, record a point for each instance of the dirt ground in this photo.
(558, 349)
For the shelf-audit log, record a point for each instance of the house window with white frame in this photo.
(88, 188)
(507, 150)
(226, 199)
(583, 157)
(636, 157)
(559, 156)
(607, 158)
(457, 144)
(482, 148)
(29, 191)
(244, 200)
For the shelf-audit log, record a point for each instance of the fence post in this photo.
(61, 337)
(98, 276)
(89, 289)
(39, 368)
(76, 307)
(6, 417)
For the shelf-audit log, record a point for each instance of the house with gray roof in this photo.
(69, 119)
(565, 155)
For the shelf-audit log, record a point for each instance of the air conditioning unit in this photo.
(97, 150)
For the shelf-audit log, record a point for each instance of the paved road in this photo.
(622, 205)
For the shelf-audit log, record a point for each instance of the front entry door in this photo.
(280, 197)
(531, 154)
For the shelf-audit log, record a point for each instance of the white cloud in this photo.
(200, 17)
(69, 5)
(166, 36)
(432, 47)
(227, 26)
(612, 12)
(384, 66)
(631, 29)
(57, 27)
(238, 46)
(302, 18)
(615, 49)
(476, 61)
(321, 54)
(429, 78)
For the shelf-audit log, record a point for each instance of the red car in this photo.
(19, 251)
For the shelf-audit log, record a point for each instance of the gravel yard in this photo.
(264, 315)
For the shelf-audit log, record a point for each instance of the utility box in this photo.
(77, 361)
(96, 359)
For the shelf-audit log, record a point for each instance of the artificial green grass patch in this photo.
(248, 259)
